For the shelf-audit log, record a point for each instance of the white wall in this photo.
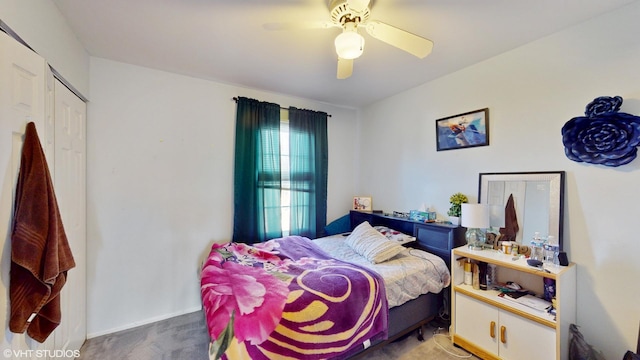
(160, 186)
(40, 24)
(160, 158)
(530, 92)
(160, 154)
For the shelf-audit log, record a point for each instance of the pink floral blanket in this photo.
(286, 298)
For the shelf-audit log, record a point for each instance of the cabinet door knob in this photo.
(492, 330)
(503, 334)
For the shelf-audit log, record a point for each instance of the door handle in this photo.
(503, 334)
(492, 330)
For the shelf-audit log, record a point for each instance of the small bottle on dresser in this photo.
(491, 275)
(476, 276)
(482, 275)
(468, 274)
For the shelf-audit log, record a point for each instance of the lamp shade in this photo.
(349, 44)
(475, 216)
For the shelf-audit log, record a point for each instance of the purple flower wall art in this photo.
(604, 136)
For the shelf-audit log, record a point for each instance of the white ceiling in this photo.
(225, 41)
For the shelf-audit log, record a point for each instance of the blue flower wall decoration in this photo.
(604, 136)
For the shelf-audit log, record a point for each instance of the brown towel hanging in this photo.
(40, 252)
(510, 229)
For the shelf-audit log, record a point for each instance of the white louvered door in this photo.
(69, 181)
(22, 100)
(28, 92)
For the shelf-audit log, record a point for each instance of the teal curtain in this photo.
(257, 183)
(308, 151)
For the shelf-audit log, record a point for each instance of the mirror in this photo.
(538, 199)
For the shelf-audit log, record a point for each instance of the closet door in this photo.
(28, 92)
(22, 99)
(69, 182)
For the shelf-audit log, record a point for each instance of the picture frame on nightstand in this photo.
(362, 203)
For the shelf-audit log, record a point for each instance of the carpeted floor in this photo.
(181, 337)
(185, 337)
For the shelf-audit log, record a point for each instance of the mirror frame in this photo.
(556, 191)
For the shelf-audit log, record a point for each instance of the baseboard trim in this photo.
(143, 322)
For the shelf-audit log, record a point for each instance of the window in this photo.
(280, 187)
(280, 177)
(305, 179)
(285, 177)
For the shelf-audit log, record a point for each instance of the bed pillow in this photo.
(394, 235)
(369, 243)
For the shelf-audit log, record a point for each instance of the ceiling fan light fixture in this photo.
(349, 45)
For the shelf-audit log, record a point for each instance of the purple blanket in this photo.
(286, 298)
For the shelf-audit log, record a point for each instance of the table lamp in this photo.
(475, 217)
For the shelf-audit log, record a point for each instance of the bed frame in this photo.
(438, 239)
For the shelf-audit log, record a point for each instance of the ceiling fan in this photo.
(350, 15)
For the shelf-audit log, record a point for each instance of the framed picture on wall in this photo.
(465, 130)
(362, 203)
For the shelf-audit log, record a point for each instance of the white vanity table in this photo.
(493, 327)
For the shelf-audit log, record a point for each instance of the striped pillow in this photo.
(369, 243)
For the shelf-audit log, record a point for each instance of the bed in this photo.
(337, 297)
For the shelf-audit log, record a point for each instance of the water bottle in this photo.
(548, 253)
(536, 247)
(554, 250)
(556, 255)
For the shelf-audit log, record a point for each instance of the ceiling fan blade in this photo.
(413, 44)
(358, 5)
(301, 25)
(345, 68)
